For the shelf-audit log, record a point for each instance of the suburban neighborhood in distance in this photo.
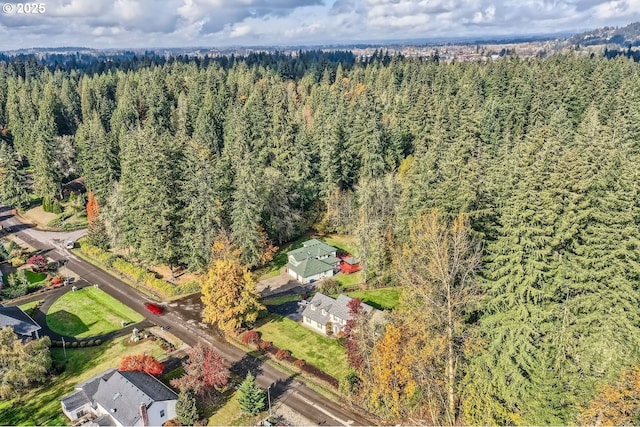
(319, 213)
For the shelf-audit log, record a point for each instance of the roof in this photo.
(351, 260)
(313, 248)
(124, 392)
(103, 420)
(17, 319)
(338, 307)
(85, 391)
(310, 267)
(331, 260)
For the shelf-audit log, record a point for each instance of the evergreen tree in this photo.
(251, 398)
(187, 408)
(12, 182)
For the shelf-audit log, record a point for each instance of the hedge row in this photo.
(137, 274)
(267, 347)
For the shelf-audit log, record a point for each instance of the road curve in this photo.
(284, 389)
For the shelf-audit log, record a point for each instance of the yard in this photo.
(349, 281)
(324, 353)
(382, 298)
(41, 406)
(230, 414)
(89, 312)
(34, 279)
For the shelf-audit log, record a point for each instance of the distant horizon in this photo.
(435, 41)
(147, 24)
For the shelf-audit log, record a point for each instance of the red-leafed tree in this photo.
(204, 371)
(92, 207)
(351, 335)
(38, 261)
(141, 362)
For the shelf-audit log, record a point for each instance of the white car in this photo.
(70, 244)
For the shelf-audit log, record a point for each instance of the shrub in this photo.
(91, 343)
(250, 337)
(299, 363)
(74, 344)
(283, 354)
(83, 344)
(263, 345)
(18, 261)
(98, 342)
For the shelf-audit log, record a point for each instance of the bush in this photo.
(98, 342)
(91, 343)
(299, 363)
(263, 345)
(83, 344)
(283, 354)
(56, 207)
(250, 337)
(74, 344)
(18, 261)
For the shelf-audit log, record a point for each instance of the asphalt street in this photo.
(182, 318)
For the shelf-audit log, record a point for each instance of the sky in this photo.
(222, 23)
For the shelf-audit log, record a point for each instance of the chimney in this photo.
(143, 414)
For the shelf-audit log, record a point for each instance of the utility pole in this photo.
(269, 397)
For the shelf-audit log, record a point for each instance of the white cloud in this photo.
(142, 23)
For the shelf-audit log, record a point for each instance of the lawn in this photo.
(349, 281)
(28, 306)
(341, 241)
(41, 405)
(35, 279)
(230, 414)
(89, 312)
(324, 353)
(382, 299)
(281, 300)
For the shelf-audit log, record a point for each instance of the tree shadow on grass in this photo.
(67, 324)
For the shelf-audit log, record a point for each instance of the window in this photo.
(162, 413)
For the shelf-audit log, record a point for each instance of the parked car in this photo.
(154, 308)
(70, 244)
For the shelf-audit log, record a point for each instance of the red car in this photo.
(154, 308)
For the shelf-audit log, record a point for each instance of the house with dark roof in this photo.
(21, 323)
(315, 260)
(329, 316)
(121, 398)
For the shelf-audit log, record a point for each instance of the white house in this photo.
(315, 260)
(121, 398)
(325, 314)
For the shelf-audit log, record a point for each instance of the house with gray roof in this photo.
(121, 398)
(329, 316)
(21, 323)
(315, 260)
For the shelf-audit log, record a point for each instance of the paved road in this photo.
(284, 389)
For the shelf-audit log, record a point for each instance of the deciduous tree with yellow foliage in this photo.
(228, 289)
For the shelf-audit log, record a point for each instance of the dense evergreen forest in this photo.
(539, 156)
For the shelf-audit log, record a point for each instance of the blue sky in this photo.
(174, 23)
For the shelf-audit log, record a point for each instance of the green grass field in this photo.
(41, 405)
(281, 300)
(382, 299)
(35, 279)
(28, 306)
(349, 281)
(324, 353)
(230, 414)
(88, 312)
